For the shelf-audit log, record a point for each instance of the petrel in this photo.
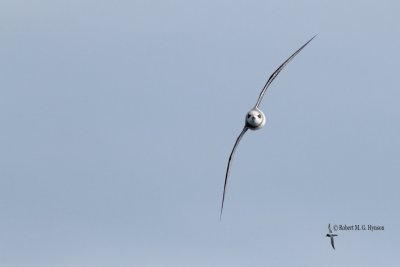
(331, 235)
(255, 118)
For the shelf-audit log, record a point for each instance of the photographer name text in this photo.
(358, 227)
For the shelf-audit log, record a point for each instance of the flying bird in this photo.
(255, 118)
(331, 235)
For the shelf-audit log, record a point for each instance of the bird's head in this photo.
(255, 119)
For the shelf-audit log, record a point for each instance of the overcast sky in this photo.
(117, 119)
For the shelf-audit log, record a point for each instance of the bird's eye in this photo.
(259, 115)
(248, 115)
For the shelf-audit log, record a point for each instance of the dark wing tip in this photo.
(222, 206)
(312, 38)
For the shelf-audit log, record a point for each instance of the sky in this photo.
(117, 119)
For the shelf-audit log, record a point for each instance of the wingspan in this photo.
(229, 165)
(276, 72)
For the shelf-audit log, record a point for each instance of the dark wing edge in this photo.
(276, 72)
(332, 243)
(229, 165)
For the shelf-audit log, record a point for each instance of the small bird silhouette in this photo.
(331, 235)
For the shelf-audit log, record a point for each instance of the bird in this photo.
(331, 235)
(255, 118)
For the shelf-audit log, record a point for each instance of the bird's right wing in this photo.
(329, 228)
(229, 165)
(332, 243)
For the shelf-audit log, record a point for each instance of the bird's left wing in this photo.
(229, 165)
(332, 243)
(276, 72)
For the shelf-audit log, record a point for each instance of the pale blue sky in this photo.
(117, 119)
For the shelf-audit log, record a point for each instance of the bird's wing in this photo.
(276, 72)
(329, 228)
(332, 243)
(229, 165)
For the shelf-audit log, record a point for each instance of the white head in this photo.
(255, 119)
